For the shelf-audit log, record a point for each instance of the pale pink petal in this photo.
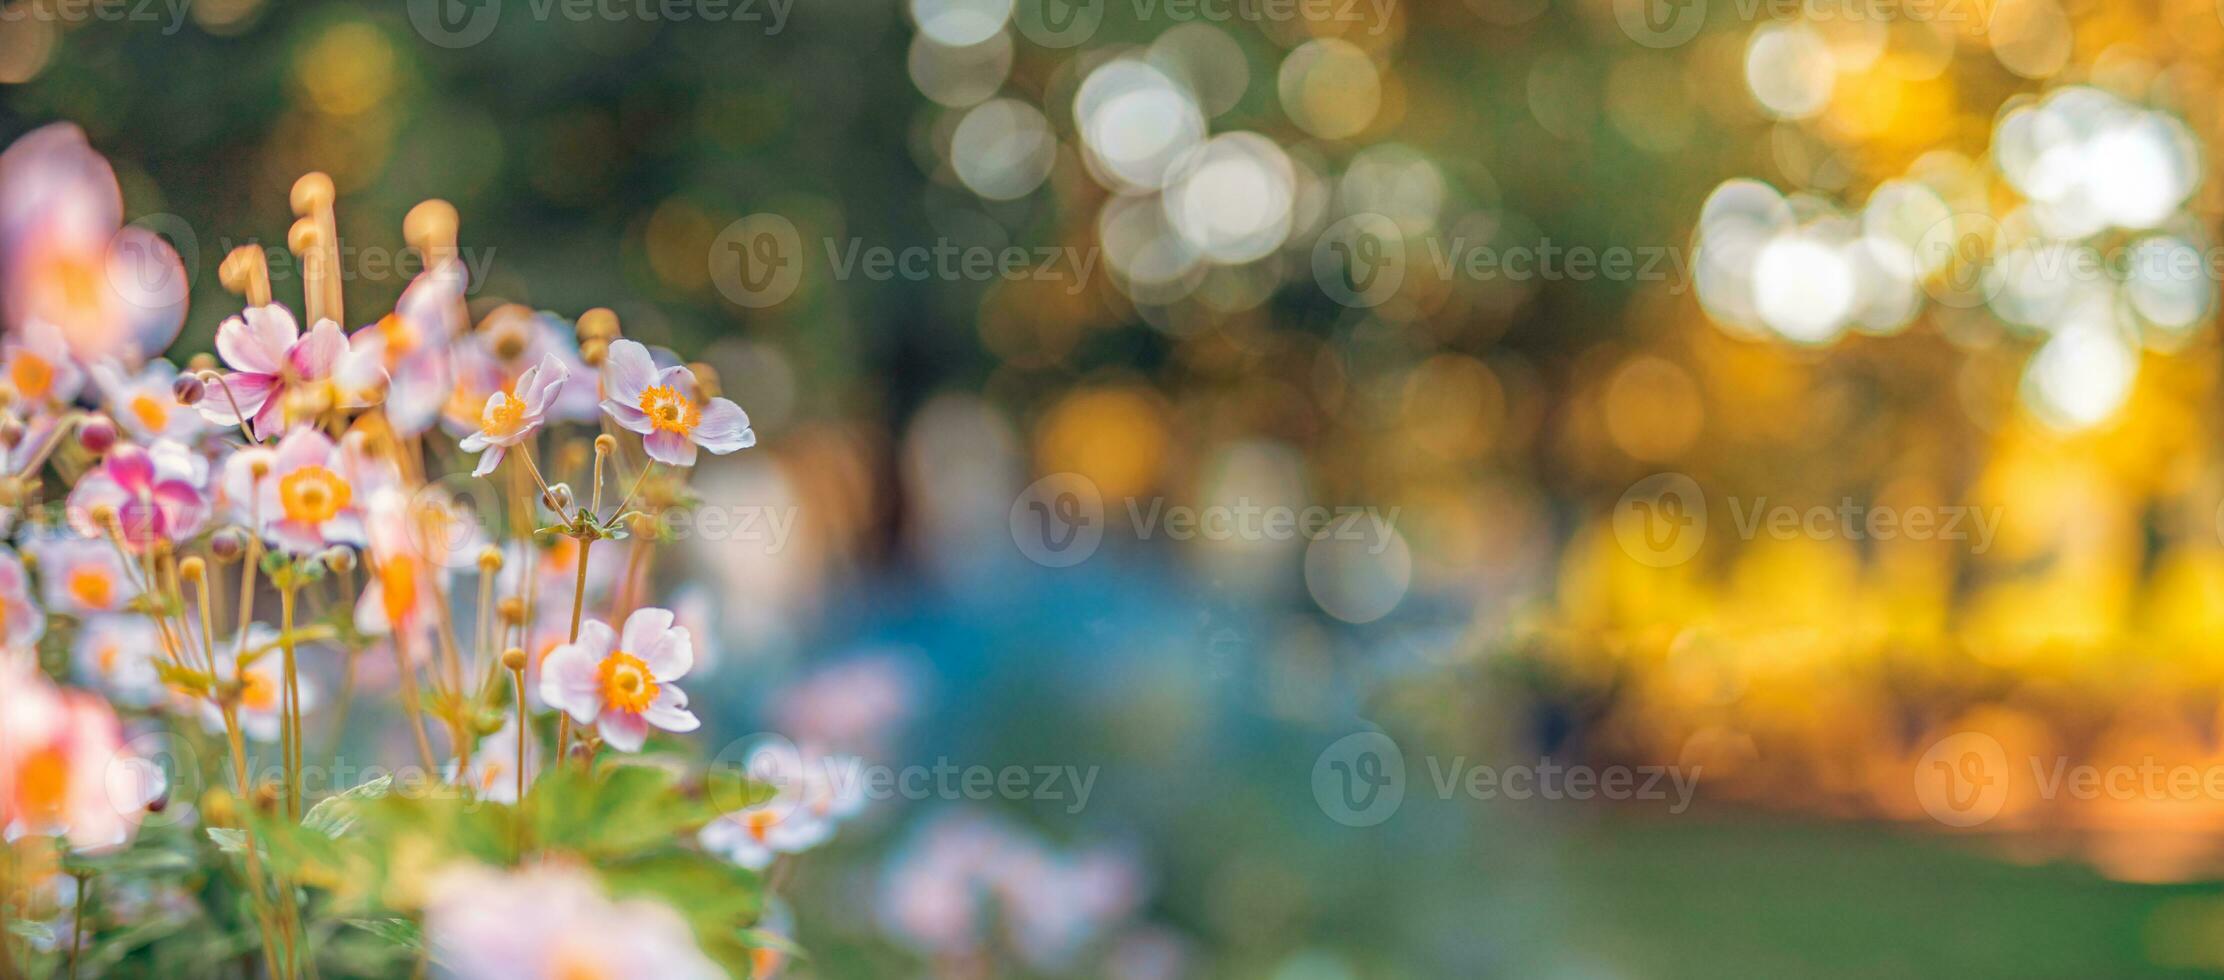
(671, 655)
(643, 630)
(669, 711)
(256, 341)
(250, 390)
(302, 447)
(488, 460)
(629, 416)
(131, 468)
(724, 427)
(623, 730)
(540, 385)
(568, 683)
(670, 448)
(627, 371)
(148, 280)
(597, 638)
(318, 352)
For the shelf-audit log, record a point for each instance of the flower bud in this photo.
(203, 361)
(193, 568)
(606, 444)
(558, 498)
(511, 609)
(513, 659)
(338, 559)
(188, 390)
(593, 352)
(490, 559)
(228, 544)
(11, 430)
(97, 434)
(598, 324)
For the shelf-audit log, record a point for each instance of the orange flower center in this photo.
(32, 376)
(42, 783)
(505, 417)
(313, 495)
(626, 684)
(151, 412)
(257, 693)
(670, 411)
(397, 579)
(92, 587)
(760, 822)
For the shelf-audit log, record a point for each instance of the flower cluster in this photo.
(205, 554)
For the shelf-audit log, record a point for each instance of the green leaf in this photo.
(400, 932)
(230, 840)
(38, 932)
(334, 815)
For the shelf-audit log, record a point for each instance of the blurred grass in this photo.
(1712, 898)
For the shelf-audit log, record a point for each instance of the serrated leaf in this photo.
(334, 816)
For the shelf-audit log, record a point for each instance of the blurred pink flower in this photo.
(412, 343)
(661, 406)
(21, 621)
(63, 768)
(492, 774)
(623, 684)
(83, 576)
(144, 403)
(553, 920)
(66, 260)
(39, 366)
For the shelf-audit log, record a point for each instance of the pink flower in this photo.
(661, 406)
(83, 577)
(21, 621)
(64, 259)
(117, 654)
(553, 920)
(508, 419)
(261, 682)
(412, 343)
(623, 684)
(273, 360)
(309, 501)
(63, 768)
(146, 405)
(38, 365)
(156, 495)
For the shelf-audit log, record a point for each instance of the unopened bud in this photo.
(340, 560)
(193, 568)
(490, 560)
(513, 659)
(598, 324)
(228, 544)
(593, 352)
(188, 390)
(511, 609)
(97, 434)
(11, 430)
(606, 444)
(558, 498)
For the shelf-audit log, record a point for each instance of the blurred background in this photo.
(1279, 412)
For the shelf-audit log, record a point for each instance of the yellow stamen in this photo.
(151, 413)
(258, 693)
(32, 376)
(626, 684)
(504, 415)
(670, 411)
(92, 586)
(313, 495)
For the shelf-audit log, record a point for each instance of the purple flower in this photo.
(661, 406)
